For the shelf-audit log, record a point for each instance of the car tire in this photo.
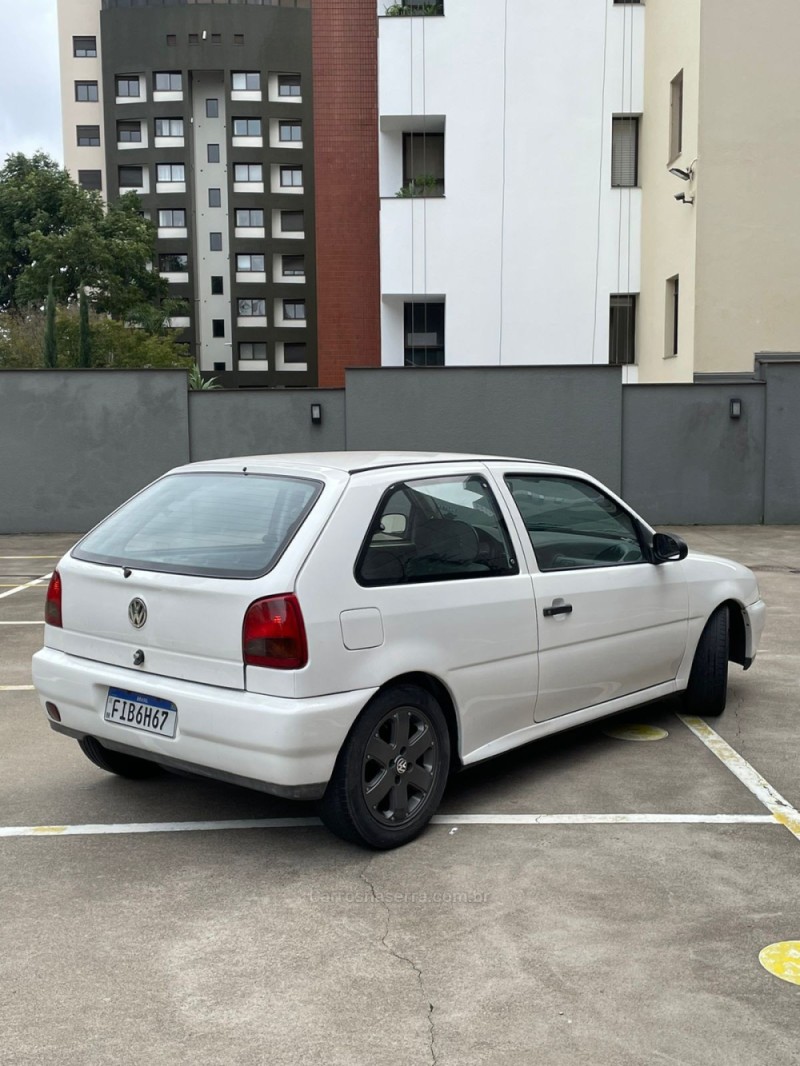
(114, 762)
(391, 772)
(707, 690)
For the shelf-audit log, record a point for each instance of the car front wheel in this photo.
(392, 770)
(707, 690)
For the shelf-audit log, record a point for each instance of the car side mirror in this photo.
(667, 548)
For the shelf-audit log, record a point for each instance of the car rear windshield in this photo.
(217, 525)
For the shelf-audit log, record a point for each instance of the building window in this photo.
(216, 38)
(627, 1)
(215, 242)
(131, 178)
(172, 40)
(622, 330)
(167, 81)
(290, 131)
(423, 325)
(252, 350)
(625, 152)
(292, 222)
(173, 263)
(247, 264)
(238, 39)
(172, 218)
(215, 198)
(129, 132)
(247, 127)
(676, 117)
(248, 172)
(291, 177)
(423, 164)
(88, 136)
(213, 153)
(217, 327)
(212, 107)
(127, 86)
(219, 366)
(250, 218)
(90, 179)
(171, 172)
(84, 47)
(217, 288)
(248, 308)
(294, 352)
(294, 310)
(86, 92)
(288, 85)
(194, 38)
(293, 266)
(673, 315)
(169, 127)
(246, 81)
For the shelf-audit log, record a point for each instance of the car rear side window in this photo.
(572, 524)
(437, 529)
(217, 525)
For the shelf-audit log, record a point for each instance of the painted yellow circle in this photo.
(636, 732)
(782, 960)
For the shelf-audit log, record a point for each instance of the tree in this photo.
(50, 347)
(51, 227)
(85, 338)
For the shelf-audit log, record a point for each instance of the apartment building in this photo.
(234, 123)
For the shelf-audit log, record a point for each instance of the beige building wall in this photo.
(669, 228)
(748, 218)
(80, 18)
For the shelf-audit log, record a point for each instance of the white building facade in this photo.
(511, 130)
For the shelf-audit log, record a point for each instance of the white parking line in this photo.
(30, 556)
(781, 810)
(438, 819)
(27, 585)
(13, 623)
(16, 688)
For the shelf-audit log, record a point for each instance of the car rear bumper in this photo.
(283, 746)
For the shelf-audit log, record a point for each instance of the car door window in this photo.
(436, 529)
(572, 524)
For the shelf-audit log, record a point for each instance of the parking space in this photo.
(584, 898)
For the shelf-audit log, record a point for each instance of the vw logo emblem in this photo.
(401, 765)
(137, 613)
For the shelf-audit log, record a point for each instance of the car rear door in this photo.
(611, 623)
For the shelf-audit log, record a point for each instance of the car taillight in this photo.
(52, 605)
(274, 634)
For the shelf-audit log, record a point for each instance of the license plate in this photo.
(136, 711)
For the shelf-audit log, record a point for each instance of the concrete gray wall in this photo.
(260, 421)
(74, 444)
(686, 461)
(782, 448)
(569, 415)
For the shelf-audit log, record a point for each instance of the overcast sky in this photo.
(30, 104)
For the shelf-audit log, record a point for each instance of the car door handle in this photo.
(562, 608)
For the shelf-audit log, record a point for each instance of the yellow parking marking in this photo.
(781, 810)
(636, 732)
(438, 819)
(27, 585)
(782, 960)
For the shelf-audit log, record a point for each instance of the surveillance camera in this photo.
(680, 196)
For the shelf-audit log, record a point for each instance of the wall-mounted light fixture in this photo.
(736, 409)
(684, 175)
(316, 413)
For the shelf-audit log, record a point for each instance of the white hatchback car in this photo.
(352, 626)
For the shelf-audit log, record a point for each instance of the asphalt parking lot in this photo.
(585, 899)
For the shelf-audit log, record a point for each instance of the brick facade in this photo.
(345, 86)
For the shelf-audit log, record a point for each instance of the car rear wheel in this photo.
(114, 762)
(392, 770)
(707, 690)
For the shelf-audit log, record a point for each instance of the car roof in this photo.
(348, 462)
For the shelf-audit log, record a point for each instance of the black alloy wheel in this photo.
(392, 770)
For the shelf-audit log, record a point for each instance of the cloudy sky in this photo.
(30, 106)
